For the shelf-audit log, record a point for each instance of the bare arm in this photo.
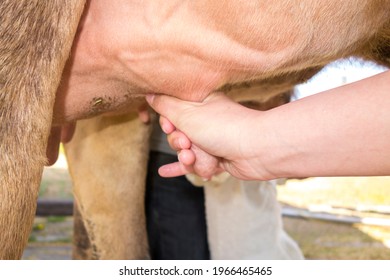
(343, 131)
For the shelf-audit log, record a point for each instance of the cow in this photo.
(126, 49)
(35, 41)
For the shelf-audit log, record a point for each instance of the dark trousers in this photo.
(175, 214)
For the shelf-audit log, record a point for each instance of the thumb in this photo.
(168, 106)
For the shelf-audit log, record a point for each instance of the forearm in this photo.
(344, 131)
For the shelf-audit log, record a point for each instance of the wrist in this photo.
(257, 145)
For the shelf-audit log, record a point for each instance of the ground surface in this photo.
(327, 240)
(51, 237)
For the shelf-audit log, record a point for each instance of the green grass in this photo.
(56, 219)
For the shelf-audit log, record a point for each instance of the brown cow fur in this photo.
(107, 161)
(35, 41)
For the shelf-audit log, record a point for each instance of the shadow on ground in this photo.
(334, 241)
(317, 240)
(51, 237)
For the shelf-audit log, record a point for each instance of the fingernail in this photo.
(164, 128)
(179, 156)
(150, 97)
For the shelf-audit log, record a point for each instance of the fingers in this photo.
(179, 141)
(167, 106)
(192, 161)
(166, 125)
(179, 169)
(174, 169)
(187, 157)
(205, 165)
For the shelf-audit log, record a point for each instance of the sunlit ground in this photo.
(348, 195)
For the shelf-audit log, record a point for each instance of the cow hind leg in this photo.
(35, 40)
(82, 246)
(107, 159)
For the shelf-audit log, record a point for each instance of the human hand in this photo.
(211, 136)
